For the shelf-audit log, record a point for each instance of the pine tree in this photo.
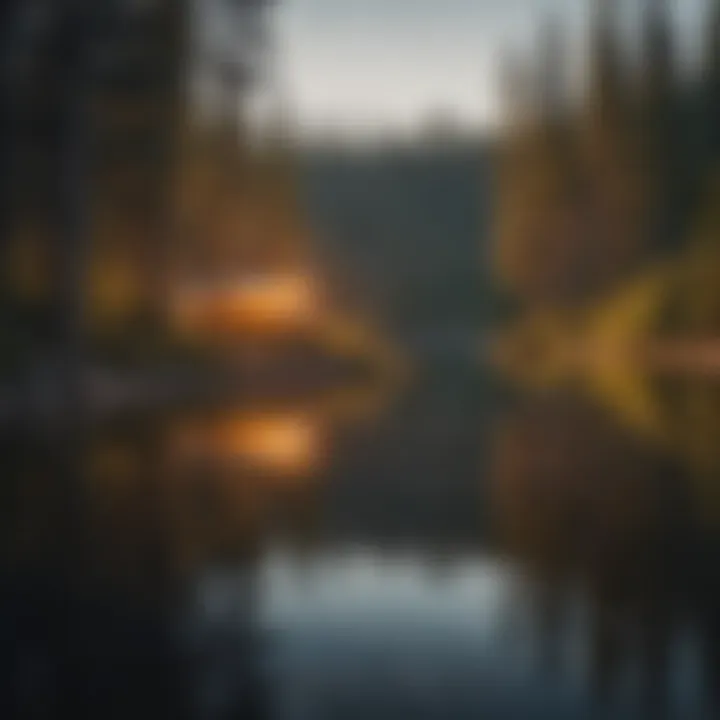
(552, 81)
(712, 80)
(659, 130)
(606, 74)
(140, 115)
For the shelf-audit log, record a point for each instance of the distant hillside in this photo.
(404, 229)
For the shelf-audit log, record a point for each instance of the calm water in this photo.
(442, 554)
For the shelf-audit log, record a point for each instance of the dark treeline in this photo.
(584, 507)
(591, 192)
(95, 99)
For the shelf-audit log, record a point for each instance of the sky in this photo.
(354, 65)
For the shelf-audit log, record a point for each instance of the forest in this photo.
(606, 234)
(150, 243)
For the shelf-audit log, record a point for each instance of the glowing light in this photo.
(287, 445)
(279, 443)
(273, 301)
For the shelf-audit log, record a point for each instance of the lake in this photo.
(455, 551)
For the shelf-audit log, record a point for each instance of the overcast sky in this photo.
(362, 63)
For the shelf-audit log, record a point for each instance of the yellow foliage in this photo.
(617, 332)
(115, 288)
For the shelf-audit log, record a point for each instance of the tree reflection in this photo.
(94, 601)
(585, 506)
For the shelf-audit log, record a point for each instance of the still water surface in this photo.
(445, 554)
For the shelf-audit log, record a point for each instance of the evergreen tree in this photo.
(552, 80)
(660, 132)
(712, 81)
(607, 88)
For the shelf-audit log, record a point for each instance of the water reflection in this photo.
(101, 555)
(320, 560)
(583, 506)
(284, 444)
